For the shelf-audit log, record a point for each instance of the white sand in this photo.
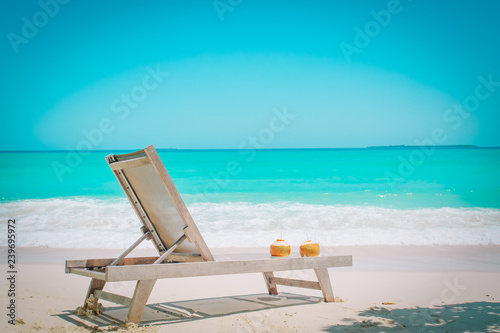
(428, 288)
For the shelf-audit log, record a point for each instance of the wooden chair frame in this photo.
(189, 260)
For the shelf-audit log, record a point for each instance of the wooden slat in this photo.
(141, 294)
(296, 283)
(89, 273)
(118, 299)
(134, 154)
(325, 284)
(185, 257)
(94, 285)
(132, 163)
(143, 272)
(91, 263)
(76, 264)
(271, 286)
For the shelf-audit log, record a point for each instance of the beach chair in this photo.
(182, 251)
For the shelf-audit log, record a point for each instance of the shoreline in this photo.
(365, 257)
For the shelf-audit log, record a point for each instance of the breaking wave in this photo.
(85, 222)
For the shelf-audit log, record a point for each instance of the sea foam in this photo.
(85, 222)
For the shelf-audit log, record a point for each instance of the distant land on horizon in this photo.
(435, 146)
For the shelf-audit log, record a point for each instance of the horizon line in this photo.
(259, 149)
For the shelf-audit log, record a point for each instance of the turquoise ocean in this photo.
(379, 195)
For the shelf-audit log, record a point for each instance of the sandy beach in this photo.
(389, 288)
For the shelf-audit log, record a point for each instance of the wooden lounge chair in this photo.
(168, 224)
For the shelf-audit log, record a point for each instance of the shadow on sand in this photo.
(465, 317)
(174, 312)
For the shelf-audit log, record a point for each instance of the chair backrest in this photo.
(157, 202)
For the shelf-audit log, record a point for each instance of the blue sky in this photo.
(230, 74)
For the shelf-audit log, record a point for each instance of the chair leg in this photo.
(271, 287)
(325, 284)
(94, 285)
(139, 300)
